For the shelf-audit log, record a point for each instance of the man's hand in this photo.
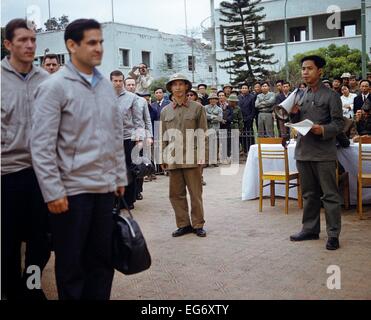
(317, 130)
(149, 141)
(120, 191)
(295, 109)
(58, 206)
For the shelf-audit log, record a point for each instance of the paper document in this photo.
(302, 127)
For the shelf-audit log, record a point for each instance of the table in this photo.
(348, 157)
(250, 179)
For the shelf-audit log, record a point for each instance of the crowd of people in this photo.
(69, 136)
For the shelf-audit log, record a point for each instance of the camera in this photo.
(367, 106)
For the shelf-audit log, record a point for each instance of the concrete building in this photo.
(127, 45)
(308, 28)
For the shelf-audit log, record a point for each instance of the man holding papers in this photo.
(315, 154)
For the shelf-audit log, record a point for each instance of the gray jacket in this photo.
(131, 114)
(17, 104)
(77, 134)
(265, 102)
(323, 107)
(145, 116)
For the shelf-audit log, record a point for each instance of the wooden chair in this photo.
(364, 179)
(285, 176)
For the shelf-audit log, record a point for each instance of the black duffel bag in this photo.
(142, 167)
(130, 253)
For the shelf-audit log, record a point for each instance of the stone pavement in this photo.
(246, 254)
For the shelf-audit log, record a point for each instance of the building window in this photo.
(146, 58)
(191, 63)
(124, 58)
(298, 34)
(169, 60)
(210, 69)
(348, 29)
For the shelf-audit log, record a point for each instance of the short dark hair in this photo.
(144, 64)
(116, 73)
(318, 61)
(286, 82)
(75, 30)
(279, 81)
(129, 78)
(364, 80)
(244, 84)
(265, 82)
(257, 82)
(220, 91)
(345, 85)
(202, 85)
(158, 88)
(51, 56)
(13, 25)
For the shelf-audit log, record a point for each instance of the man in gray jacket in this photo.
(132, 119)
(80, 164)
(264, 104)
(131, 86)
(24, 214)
(315, 154)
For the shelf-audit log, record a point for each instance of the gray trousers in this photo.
(317, 176)
(265, 124)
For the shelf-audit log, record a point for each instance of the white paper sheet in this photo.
(302, 127)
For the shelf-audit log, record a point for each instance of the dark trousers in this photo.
(319, 178)
(24, 217)
(247, 135)
(83, 247)
(131, 189)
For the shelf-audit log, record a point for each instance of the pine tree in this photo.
(242, 31)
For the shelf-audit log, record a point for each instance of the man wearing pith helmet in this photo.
(179, 118)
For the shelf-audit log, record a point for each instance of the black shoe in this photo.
(139, 196)
(182, 231)
(302, 235)
(332, 243)
(200, 232)
(131, 207)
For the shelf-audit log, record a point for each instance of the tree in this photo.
(53, 23)
(4, 52)
(243, 34)
(339, 59)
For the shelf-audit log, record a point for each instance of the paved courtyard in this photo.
(246, 254)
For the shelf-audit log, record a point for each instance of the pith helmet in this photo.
(213, 96)
(178, 76)
(232, 98)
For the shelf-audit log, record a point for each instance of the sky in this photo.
(165, 15)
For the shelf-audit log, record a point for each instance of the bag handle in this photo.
(118, 200)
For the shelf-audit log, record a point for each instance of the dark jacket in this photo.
(227, 117)
(281, 98)
(159, 106)
(247, 106)
(323, 107)
(205, 100)
(358, 102)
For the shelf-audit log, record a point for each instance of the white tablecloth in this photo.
(250, 180)
(348, 157)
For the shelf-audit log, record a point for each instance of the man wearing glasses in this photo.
(142, 78)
